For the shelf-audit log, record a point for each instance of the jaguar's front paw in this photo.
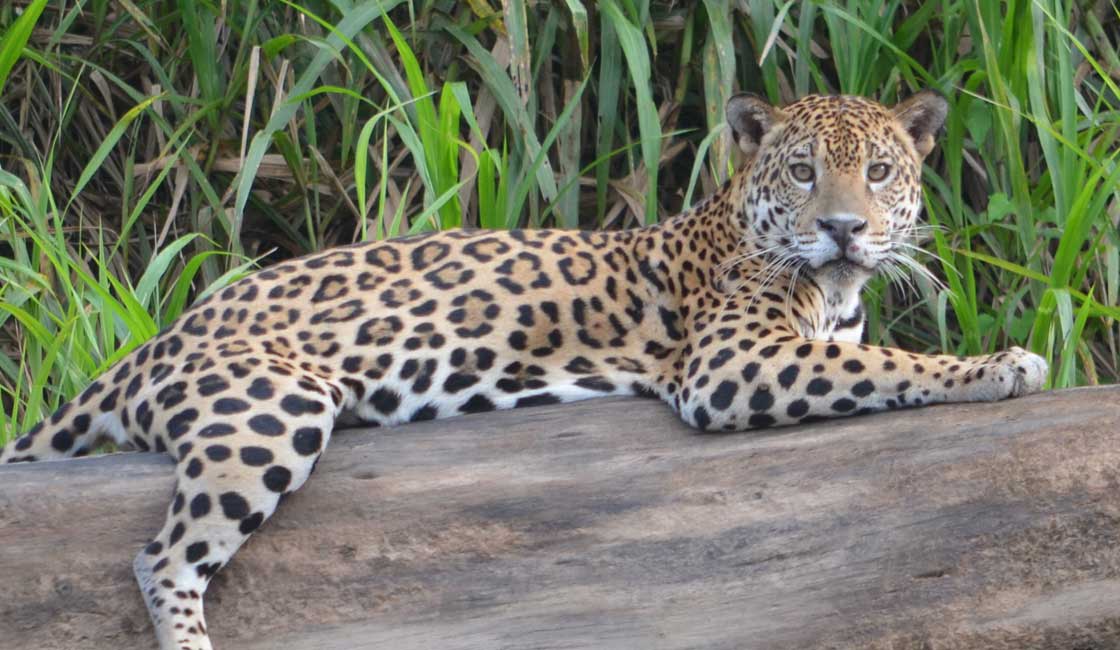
(1031, 370)
(1019, 372)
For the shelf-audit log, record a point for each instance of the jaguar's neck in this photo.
(712, 231)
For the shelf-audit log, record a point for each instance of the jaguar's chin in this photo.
(843, 272)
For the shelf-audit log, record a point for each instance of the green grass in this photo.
(150, 151)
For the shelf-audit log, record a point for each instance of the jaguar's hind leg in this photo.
(232, 471)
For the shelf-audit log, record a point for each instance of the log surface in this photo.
(608, 524)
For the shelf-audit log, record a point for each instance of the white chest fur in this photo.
(840, 316)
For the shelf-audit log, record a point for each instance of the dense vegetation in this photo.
(153, 150)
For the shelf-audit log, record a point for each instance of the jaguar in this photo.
(743, 312)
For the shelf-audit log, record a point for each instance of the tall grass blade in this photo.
(635, 52)
(15, 38)
(351, 23)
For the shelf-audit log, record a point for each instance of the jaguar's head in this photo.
(835, 182)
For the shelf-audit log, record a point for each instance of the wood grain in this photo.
(608, 524)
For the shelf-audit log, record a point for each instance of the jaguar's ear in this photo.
(751, 117)
(922, 115)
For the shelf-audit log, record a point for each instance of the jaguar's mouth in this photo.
(844, 270)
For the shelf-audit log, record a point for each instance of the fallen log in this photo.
(608, 524)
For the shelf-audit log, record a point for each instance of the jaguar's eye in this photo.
(878, 172)
(802, 173)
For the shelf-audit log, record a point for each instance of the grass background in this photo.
(151, 151)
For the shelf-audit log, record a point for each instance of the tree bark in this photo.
(608, 524)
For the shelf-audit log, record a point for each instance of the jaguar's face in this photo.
(836, 181)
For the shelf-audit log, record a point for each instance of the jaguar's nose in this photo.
(841, 229)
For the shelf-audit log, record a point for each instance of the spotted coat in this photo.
(743, 312)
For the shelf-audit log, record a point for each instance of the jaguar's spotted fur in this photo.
(743, 312)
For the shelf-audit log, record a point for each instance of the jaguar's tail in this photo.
(75, 429)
